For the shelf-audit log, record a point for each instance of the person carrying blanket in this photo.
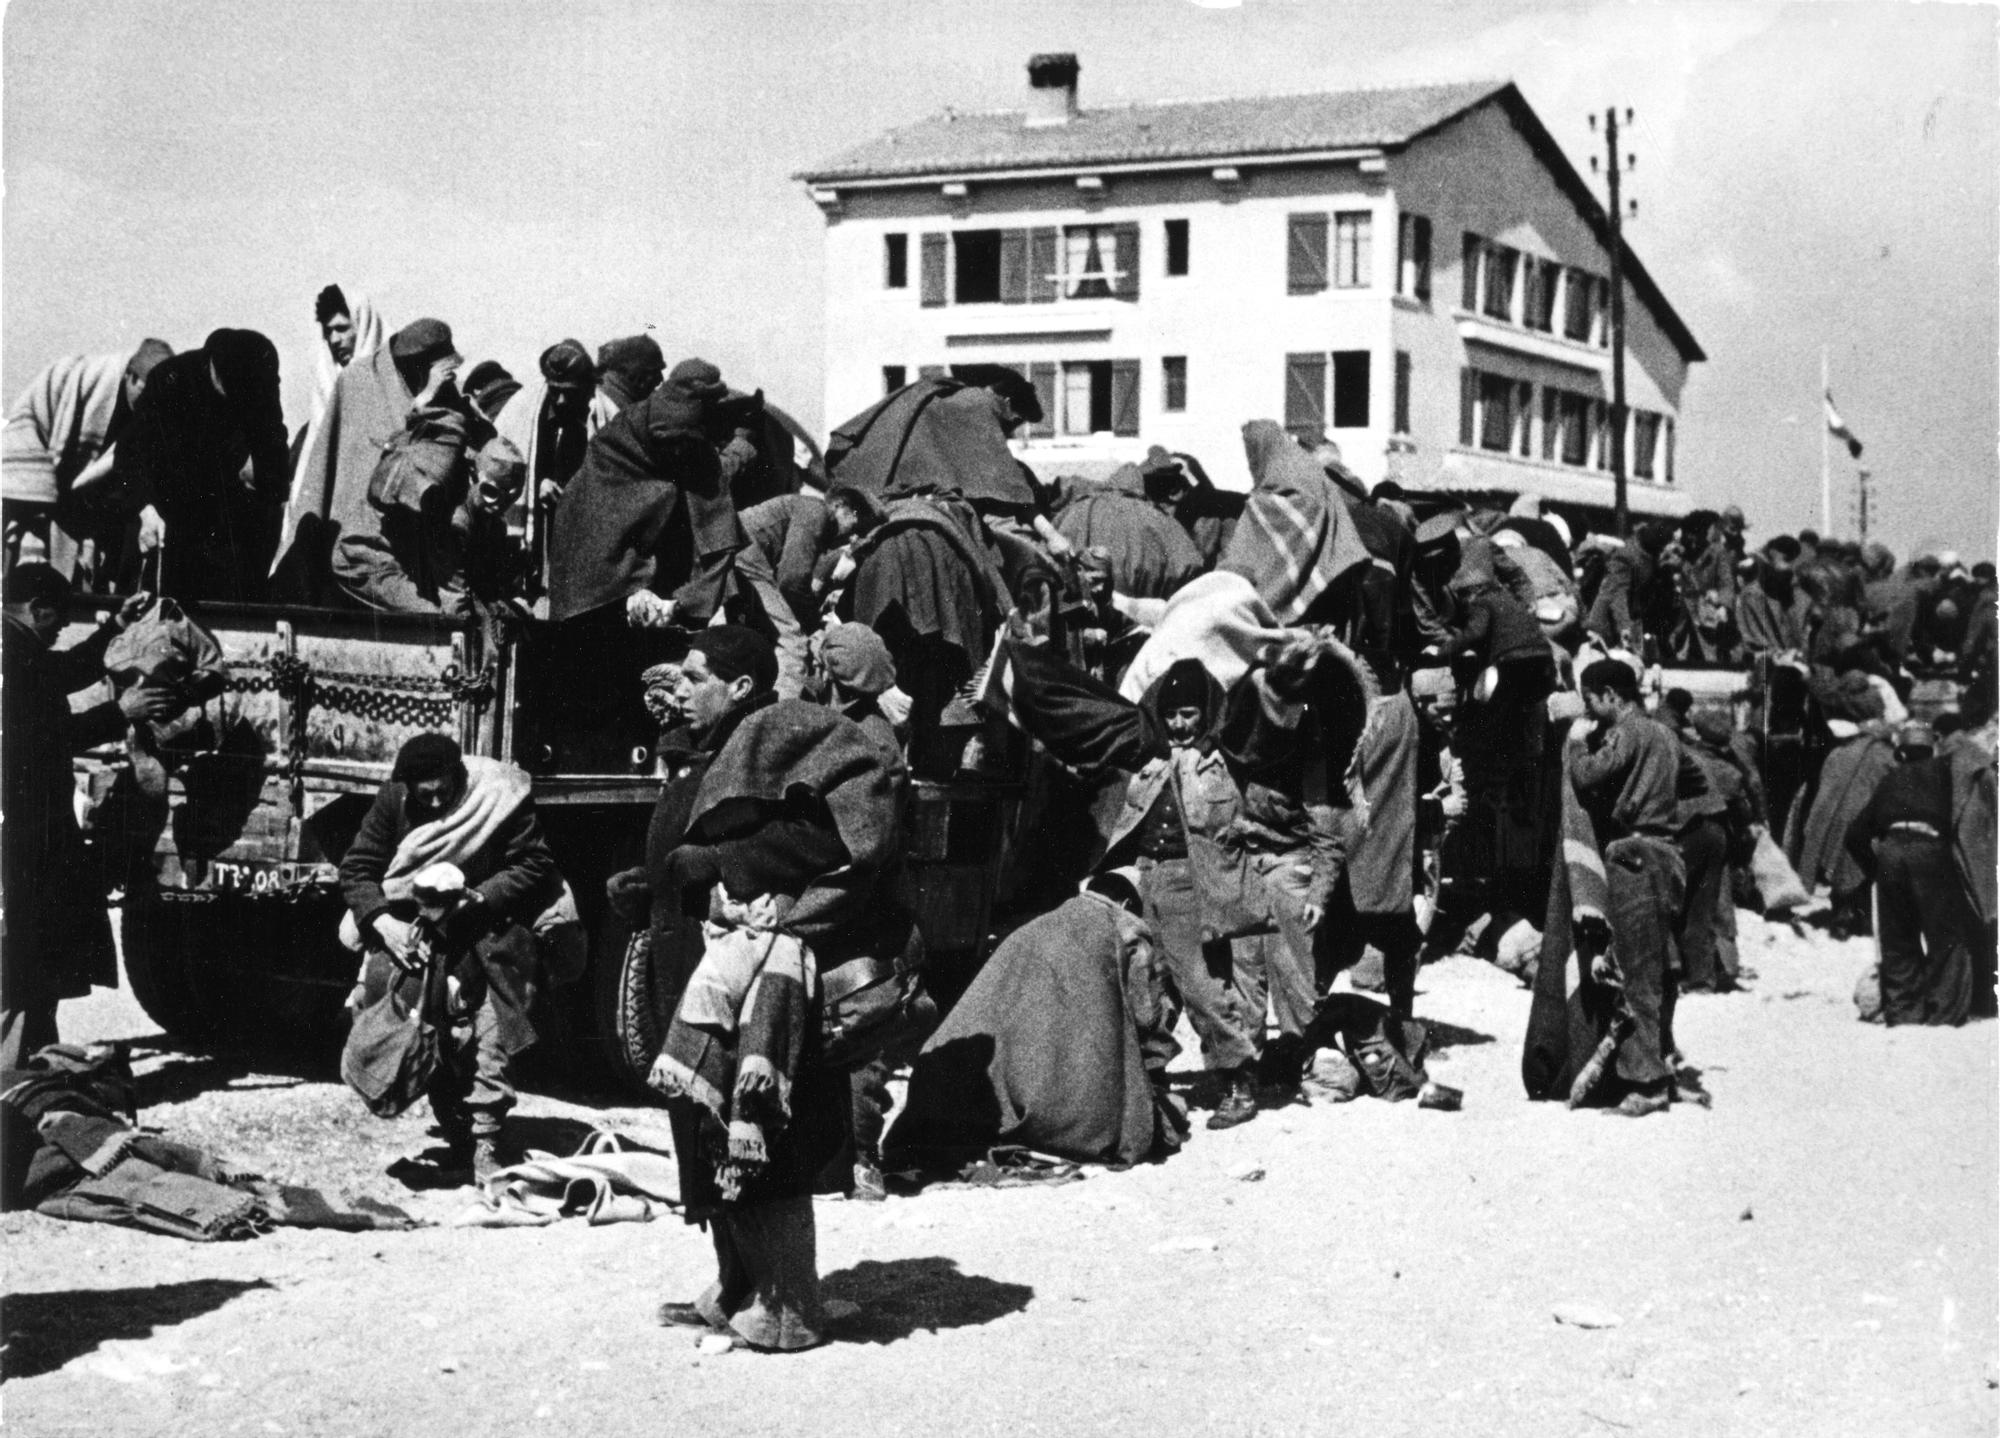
(475, 814)
(1601, 1027)
(788, 843)
(1296, 537)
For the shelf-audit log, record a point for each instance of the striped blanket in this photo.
(1566, 1021)
(1295, 538)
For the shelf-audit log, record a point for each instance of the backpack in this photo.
(873, 1003)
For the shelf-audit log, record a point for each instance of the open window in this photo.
(975, 256)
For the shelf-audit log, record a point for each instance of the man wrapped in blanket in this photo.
(788, 844)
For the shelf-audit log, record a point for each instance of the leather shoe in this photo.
(1239, 1105)
(681, 1315)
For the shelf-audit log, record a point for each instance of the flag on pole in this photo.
(1837, 427)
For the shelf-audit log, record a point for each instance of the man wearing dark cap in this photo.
(552, 422)
(1773, 613)
(58, 452)
(1617, 617)
(437, 809)
(57, 939)
(489, 385)
(373, 402)
(1903, 839)
(629, 369)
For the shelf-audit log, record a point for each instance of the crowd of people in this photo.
(1275, 750)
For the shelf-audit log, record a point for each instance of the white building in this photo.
(1418, 273)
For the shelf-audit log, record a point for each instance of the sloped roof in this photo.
(1270, 126)
(966, 144)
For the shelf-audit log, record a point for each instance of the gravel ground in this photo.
(1814, 1255)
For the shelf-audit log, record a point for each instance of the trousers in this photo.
(1224, 1017)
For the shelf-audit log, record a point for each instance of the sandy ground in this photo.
(1814, 1255)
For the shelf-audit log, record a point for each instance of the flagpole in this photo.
(1825, 455)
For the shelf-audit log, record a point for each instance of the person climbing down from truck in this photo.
(440, 808)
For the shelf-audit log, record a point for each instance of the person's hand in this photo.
(647, 610)
(399, 939)
(130, 611)
(152, 530)
(443, 368)
(895, 706)
(144, 701)
(1311, 915)
(659, 1079)
(1059, 544)
(548, 493)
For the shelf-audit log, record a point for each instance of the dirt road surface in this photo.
(1814, 1255)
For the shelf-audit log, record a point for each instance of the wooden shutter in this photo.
(1551, 419)
(1305, 394)
(933, 270)
(1524, 419)
(1402, 392)
(1013, 267)
(1468, 404)
(1667, 473)
(1042, 376)
(1044, 248)
(1305, 254)
(1350, 389)
(1125, 251)
(1125, 397)
(1469, 271)
(1421, 234)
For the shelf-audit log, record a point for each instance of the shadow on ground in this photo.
(46, 1330)
(899, 1297)
(1451, 1036)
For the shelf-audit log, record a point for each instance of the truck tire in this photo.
(163, 938)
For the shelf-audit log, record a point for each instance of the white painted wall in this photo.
(1231, 315)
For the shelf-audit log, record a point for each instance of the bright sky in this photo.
(1808, 175)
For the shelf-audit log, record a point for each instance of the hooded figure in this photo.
(629, 369)
(649, 510)
(205, 464)
(1295, 538)
(935, 436)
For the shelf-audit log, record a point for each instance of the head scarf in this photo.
(856, 659)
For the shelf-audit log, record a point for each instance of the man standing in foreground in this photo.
(1625, 775)
(57, 940)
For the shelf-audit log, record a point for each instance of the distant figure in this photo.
(628, 370)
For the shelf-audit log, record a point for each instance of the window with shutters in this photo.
(1097, 397)
(1413, 257)
(1471, 266)
(1177, 247)
(894, 377)
(1173, 383)
(1574, 446)
(1496, 418)
(1499, 296)
(1645, 444)
(1353, 232)
(975, 263)
(1042, 375)
(1093, 267)
(1305, 395)
(935, 259)
(1350, 389)
(1578, 305)
(895, 262)
(1667, 465)
(1305, 254)
(1402, 391)
(1468, 405)
(1540, 281)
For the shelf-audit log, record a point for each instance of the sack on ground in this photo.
(874, 1003)
(391, 1053)
(1777, 882)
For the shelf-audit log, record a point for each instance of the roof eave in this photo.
(1062, 169)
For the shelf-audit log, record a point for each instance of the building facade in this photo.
(1417, 275)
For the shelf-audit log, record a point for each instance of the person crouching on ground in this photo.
(433, 812)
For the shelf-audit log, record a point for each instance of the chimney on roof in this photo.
(1052, 89)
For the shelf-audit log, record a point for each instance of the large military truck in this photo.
(229, 869)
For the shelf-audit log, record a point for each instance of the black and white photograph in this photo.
(1233, 718)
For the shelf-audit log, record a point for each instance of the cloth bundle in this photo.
(602, 1182)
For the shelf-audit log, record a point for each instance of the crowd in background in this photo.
(1272, 751)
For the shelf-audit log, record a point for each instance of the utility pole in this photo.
(1615, 166)
(1862, 482)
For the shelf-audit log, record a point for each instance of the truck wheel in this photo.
(163, 941)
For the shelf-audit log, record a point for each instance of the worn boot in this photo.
(1239, 1103)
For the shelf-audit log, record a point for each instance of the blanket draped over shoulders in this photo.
(936, 434)
(1295, 538)
(369, 407)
